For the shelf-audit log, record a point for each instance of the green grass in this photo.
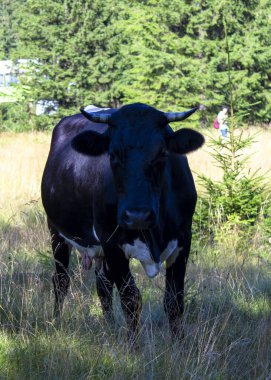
(227, 316)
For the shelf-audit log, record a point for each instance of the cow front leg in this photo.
(174, 294)
(131, 303)
(61, 278)
(104, 285)
(130, 296)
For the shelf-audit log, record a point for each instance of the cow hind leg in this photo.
(61, 278)
(104, 285)
(130, 296)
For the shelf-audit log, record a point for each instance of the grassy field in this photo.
(228, 294)
(23, 156)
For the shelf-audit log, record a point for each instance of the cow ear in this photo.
(91, 143)
(184, 141)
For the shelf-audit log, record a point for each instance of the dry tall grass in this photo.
(23, 156)
(259, 159)
(227, 317)
(22, 160)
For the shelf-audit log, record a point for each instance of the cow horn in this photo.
(95, 116)
(179, 116)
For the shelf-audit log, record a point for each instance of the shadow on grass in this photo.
(227, 321)
(225, 337)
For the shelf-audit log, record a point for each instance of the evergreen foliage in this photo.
(240, 198)
(8, 30)
(171, 55)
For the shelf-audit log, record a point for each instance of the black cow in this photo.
(117, 186)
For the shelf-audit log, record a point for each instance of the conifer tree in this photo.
(169, 54)
(240, 198)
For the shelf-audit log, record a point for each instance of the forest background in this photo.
(171, 55)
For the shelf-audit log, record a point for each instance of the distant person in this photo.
(222, 121)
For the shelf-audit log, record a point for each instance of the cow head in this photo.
(138, 142)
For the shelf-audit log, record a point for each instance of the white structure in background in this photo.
(9, 77)
(46, 106)
(7, 74)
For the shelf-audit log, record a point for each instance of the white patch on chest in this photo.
(140, 251)
(170, 248)
(171, 253)
(87, 253)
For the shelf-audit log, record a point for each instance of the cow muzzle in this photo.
(138, 219)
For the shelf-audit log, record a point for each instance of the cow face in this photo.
(138, 142)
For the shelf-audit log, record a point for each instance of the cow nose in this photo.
(138, 219)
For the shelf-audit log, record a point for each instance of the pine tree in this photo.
(8, 30)
(240, 198)
(168, 54)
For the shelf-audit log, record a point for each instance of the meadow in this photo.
(228, 293)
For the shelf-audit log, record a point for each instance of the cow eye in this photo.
(161, 156)
(155, 168)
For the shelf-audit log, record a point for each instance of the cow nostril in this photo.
(138, 218)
